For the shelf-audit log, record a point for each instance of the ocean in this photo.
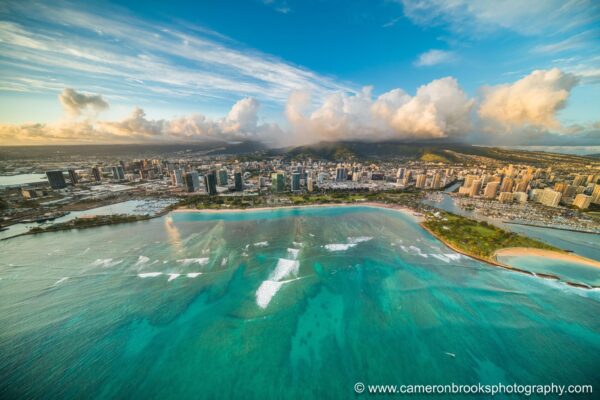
(295, 303)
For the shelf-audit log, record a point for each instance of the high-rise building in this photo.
(278, 182)
(177, 177)
(96, 174)
(210, 183)
(520, 197)
(400, 173)
(222, 177)
(118, 172)
(507, 184)
(310, 184)
(469, 181)
(550, 197)
(295, 183)
(596, 194)
(505, 197)
(73, 176)
(237, 180)
(341, 174)
(579, 180)
(421, 180)
(436, 182)
(56, 179)
(521, 186)
(191, 181)
(491, 189)
(475, 188)
(582, 201)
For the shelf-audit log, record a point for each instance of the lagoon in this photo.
(296, 303)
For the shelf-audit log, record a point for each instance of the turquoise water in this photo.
(568, 271)
(276, 304)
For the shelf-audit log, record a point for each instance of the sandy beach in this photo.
(525, 251)
(394, 207)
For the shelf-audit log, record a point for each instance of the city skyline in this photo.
(286, 72)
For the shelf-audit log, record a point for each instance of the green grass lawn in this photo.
(477, 238)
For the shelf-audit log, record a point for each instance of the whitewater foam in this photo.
(358, 239)
(339, 246)
(173, 277)
(61, 280)
(293, 253)
(141, 261)
(105, 263)
(193, 274)
(261, 244)
(268, 288)
(224, 262)
(266, 291)
(189, 261)
(149, 274)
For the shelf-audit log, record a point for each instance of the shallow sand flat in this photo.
(527, 251)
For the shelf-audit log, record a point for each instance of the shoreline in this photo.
(403, 209)
(496, 263)
(526, 251)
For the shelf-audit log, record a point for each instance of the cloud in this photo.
(113, 52)
(439, 109)
(531, 101)
(434, 57)
(240, 123)
(466, 16)
(75, 103)
(574, 42)
(526, 108)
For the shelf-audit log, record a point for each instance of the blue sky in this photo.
(174, 59)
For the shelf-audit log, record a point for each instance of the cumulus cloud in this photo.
(75, 103)
(531, 101)
(434, 57)
(240, 123)
(437, 110)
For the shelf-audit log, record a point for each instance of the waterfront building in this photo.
(118, 172)
(278, 182)
(341, 174)
(596, 194)
(436, 182)
(550, 197)
(56, 179)
(505, 197)
(177, 177)
(582, 201)
(469, 181)
(520, 197)
(191, 181)
(421, 180)
(222, 178)
(309, 184)
(96, 173)
(491, 189)
(295, 182)
(237, 180)
(536, 195)
(400, 173)
(73, 176)
(210, 183)
(475, 187)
